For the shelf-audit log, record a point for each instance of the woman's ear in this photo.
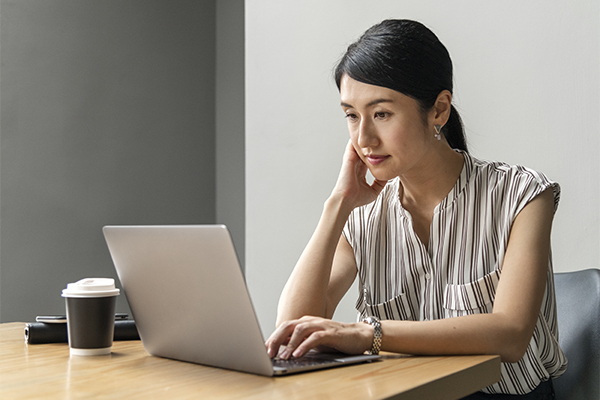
(441, 108)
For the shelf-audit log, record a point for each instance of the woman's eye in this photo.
(351, 117)
(381, 115)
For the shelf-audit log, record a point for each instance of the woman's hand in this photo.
(301, 335)
(352, 185)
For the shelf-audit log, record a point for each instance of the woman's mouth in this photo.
(375, 159)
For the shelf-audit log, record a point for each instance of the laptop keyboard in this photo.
(300, 362)
(315, 360)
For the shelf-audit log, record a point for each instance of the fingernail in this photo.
(296, 353)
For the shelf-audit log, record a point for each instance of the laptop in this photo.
(189, 300)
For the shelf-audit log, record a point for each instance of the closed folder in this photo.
(40, 332)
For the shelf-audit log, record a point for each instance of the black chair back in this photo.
(578, 309)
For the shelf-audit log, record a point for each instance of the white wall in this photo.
(527, 84)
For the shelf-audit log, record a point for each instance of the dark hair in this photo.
(405, 56)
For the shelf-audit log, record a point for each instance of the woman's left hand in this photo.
(301, 335)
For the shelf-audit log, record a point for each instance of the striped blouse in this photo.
(457, 274)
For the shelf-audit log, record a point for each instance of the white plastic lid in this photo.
(91, 287)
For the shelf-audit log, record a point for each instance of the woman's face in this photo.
(387, 128)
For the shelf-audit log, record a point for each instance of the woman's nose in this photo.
(367, 136)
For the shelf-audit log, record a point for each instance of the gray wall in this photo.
(527, 86)
(107, 116)
(230, 101)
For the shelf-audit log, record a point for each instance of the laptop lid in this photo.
(189, 300)
(187, 295)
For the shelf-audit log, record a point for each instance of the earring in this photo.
(438, 129)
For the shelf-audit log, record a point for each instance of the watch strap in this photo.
(377, 334)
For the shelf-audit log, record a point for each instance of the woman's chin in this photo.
(380, 176)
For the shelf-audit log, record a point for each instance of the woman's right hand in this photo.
(352, 186)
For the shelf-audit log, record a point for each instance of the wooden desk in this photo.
(47, 370)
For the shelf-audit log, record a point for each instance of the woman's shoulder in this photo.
(515, 179)
(499, 171)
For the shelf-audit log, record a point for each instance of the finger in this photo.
(361, 169)
(315, 339)
(302, 331)
(274, 344)
(351, 150)
(347, 338)
(279, 337)
(274, 348)
(351, 155)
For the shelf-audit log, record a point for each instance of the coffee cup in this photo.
(90, 307)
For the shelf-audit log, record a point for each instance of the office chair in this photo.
(578, 309)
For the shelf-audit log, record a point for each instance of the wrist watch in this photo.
(376, 323)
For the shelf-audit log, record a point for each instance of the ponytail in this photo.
(454, 131)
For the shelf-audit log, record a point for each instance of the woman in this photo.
(452, 253)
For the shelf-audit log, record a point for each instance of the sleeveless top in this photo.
(457, 274)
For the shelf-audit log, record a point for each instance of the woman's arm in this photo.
(326, 268)
(506, 331)
(324, 272)
(315, 288)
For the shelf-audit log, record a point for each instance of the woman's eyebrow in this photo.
(369, 104)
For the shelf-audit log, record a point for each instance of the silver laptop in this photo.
(189, 300)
